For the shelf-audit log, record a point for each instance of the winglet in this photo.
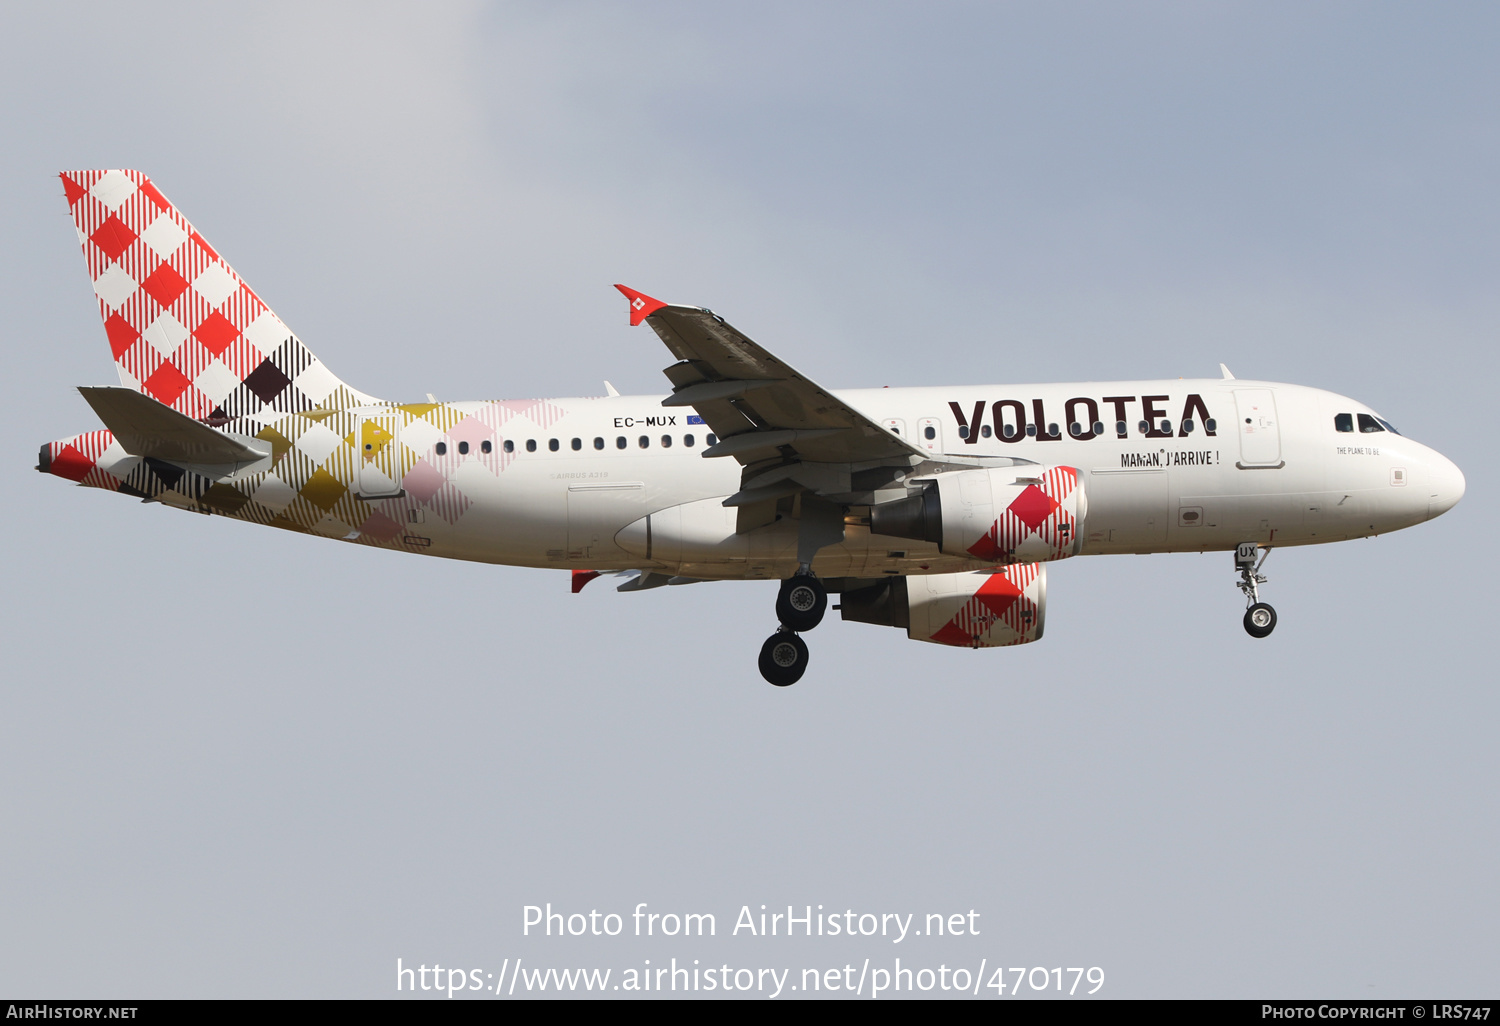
(641, 305)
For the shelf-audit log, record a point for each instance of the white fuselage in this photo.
(1275, 470)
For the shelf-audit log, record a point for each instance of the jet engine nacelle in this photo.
(969, 610)
(1006, 515)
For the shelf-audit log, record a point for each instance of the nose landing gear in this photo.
(1260, 618)
(800, 606)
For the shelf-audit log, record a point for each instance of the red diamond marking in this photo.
(215, 332)
(998, 594)
(75, 191)
(121, 335)
(164, 284)
(166, 383)
(1033, 506)
(113, 237)
(952, 634)
(71, 464)
(150, 192)
(986, 549)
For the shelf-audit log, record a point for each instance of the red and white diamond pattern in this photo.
(1039, 524)
(182, 326)
(1003, 610)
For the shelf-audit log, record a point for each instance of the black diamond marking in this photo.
(167, 473)
(267, 381)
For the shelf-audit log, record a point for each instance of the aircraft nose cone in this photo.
(1447, 486)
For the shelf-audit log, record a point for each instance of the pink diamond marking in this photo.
(423, 481)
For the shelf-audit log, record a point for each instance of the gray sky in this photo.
(241, 762)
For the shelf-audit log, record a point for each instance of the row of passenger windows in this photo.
(555, 445)
(1367, 424)
(1077, 430)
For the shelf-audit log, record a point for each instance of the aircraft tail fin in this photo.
(182, 325)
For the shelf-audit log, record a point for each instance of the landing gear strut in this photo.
(1260, 618)
(800, 606)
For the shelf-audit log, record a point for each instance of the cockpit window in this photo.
(1368, 425)
(1387, 425)
(1343, 422)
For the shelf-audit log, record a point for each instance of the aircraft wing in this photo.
(759, 406)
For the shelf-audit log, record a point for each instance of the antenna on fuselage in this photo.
(1227, 376)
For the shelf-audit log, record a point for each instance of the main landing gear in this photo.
(800, 606)
(1260, 618)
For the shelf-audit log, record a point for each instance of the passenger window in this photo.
(485, 447)
(1166, 427)
(645, 442)
(620, 442)
(1367, 424)
(1075, 429)
(666, 441)
(963, 431)
(687, 440)
(929, 432)
(711, 439)
(1120, 428)
(1098, 427)
(531, 445)
(509, 446)
(441, 448)
(598, 443)
(985, 431)
(1187, 426)
(1009, 431)
(552, 444)
(1343, 422)
(577, 444)
(1145, 427)
(463, 448)
(1030, 430)
(1210, 425)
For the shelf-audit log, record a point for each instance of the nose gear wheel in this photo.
(1260, 618)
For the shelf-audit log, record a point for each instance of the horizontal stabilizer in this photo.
(145, 427)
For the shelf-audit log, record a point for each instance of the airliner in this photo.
(934, 510)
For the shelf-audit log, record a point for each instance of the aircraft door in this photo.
(379, 443)
(597, 512)
(930, 434)
(1260, 437)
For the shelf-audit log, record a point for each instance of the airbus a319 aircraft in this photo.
(932, 510)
